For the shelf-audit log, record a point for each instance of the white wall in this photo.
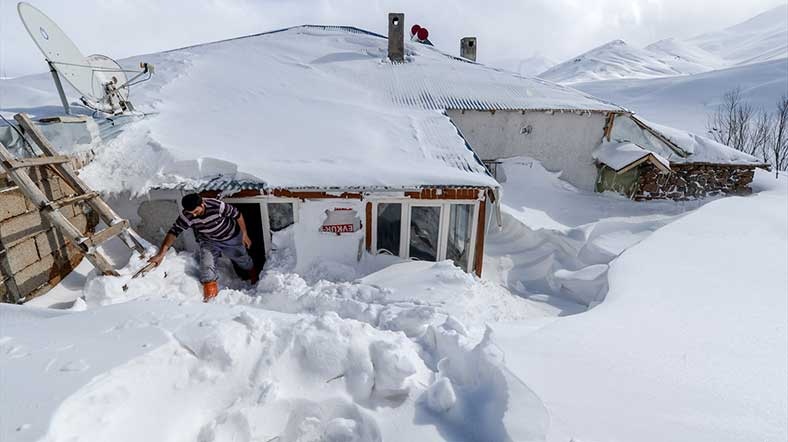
(561, 141)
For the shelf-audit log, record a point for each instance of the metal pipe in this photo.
(59, 87)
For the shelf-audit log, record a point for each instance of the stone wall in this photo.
(693, 180)
(33, 255)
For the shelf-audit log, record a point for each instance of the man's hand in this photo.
(246, 240)
(156, 259)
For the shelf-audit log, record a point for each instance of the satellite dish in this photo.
(100, 80)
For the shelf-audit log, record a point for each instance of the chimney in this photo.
(397, 37)
(468, 48)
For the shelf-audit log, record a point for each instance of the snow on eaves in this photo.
(621, 155)
(702, 149)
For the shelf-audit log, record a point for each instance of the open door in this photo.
(254, 227)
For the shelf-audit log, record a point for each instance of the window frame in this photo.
(443, 231)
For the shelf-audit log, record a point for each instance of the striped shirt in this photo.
(217, 223)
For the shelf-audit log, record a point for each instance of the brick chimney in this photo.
(397, 37)
(468, 48)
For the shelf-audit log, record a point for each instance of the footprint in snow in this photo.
(75, 366)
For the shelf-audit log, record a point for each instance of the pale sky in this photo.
(558, 29)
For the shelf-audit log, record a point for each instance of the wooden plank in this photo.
(478, 260)
(71, 200)
(368, 228)
(611, 118)
(20, 163)
(67, 173)
(110, 232)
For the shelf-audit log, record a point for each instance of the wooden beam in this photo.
(110, 232)
(611, 118)
(72, 200)
(478, 260)
(37, 161)
(368, 228)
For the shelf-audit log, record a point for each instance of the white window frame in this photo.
(443, 231)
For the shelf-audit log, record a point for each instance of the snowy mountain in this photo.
(529, 67)
(618, 59)
(685, 101)
(761, 38)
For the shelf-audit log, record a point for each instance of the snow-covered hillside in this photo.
(617, 59)
(686, 101)
(762, 38)
(529, 66)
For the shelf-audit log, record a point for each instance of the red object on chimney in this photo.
(422, 34)
(414, 30)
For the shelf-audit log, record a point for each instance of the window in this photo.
(424, 232)
(458, 244)
(389, 228)
(280, 215)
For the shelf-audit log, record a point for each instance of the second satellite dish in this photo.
(101, 81)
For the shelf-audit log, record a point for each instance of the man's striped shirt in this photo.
(217, 223)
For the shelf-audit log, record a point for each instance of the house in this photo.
(356, 152)
(315, 132)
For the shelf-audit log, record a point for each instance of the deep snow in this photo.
(691, 342)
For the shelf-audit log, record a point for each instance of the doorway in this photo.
(254, 227)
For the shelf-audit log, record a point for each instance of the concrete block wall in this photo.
(33, 255)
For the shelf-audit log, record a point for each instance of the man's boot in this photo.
(254, 275)
(209, 290)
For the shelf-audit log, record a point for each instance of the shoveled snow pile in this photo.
(398, 355)
(691, 341)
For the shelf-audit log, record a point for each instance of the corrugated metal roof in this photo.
(434, 80)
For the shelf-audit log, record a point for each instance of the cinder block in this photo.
(51, 189)
(35, 275)
(30, 223)
(12, 203)
(49, 242)
(22, 255)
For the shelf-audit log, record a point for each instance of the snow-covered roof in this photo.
(702, 149)
(315, 107)
(622, 156)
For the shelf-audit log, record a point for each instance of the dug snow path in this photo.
(691, 343)
(402, 354)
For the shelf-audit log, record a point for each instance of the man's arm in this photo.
(244, 236)
(169, 240)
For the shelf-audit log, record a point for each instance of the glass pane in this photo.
(389, 225)
(280, 215)
(424, 229)
(459, 241)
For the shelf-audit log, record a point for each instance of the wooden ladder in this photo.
(61, 166)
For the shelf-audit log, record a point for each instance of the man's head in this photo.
(192, 203)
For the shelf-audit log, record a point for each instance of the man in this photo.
(220, 230)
